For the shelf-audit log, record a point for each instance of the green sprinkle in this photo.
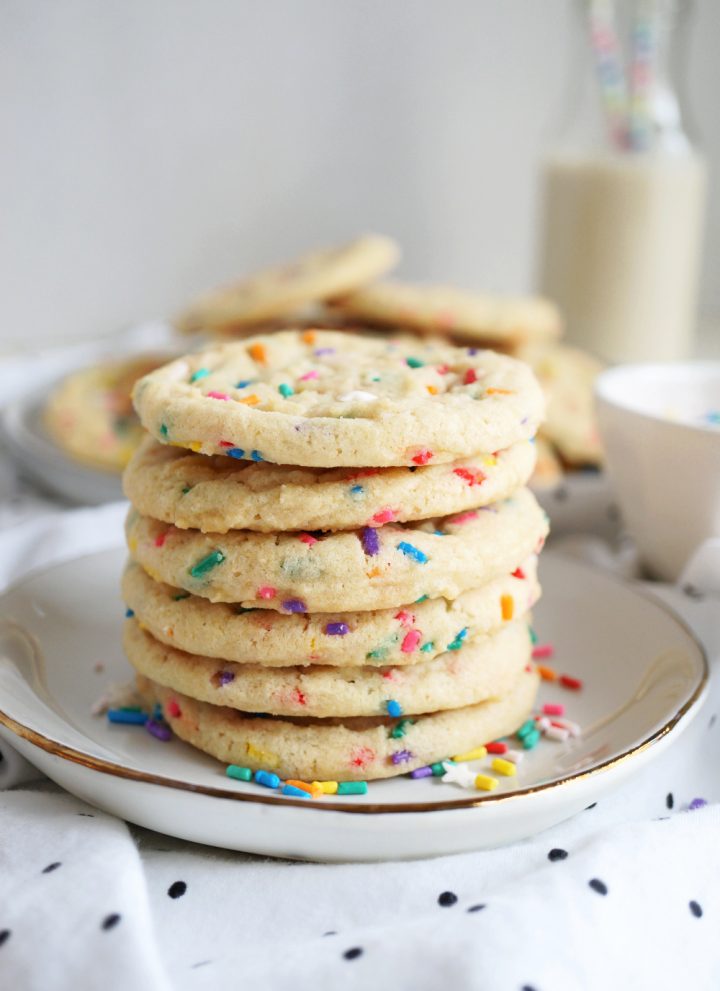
(533, 635)
(427, 647)
(438, 770)
(186, 489)
(414, 362)
(240, 773)
(207, 564)
(401, 729)
(199, 374)
(531, 739)
(421, 599)
(286, 390)
(352, 788)
(163, 430)
(181, 595)
(527, 727)
(379, 654)
(375, 378)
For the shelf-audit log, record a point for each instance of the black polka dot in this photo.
(527, 987)
(353, 953)
(88, 815)
(200, 963)
(692, 592)
(557, 853)
(177, 889)
(447, 898)
(51, 867)
(613, 513)
(560, 494)
(669, 800)
(696, 909)
(597, 885)
(331, 932)
(477, 908)
(713, 718)
(588, 807)
(110, 921)
(4, 936)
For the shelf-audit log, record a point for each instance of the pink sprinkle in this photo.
(422, 457)
(542, 651)
(309, 375)
(160, 539)
(388, 675)
(406, 618)
(225, 443)
(464, 518)
(554, 709)
(384, 516)
(173, 709)
(411, 641)
(217, 395)
(266, 592)
(308, 539)
(470, 376)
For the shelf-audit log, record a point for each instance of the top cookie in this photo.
(492, 321)
(332, 399)
(277, 291)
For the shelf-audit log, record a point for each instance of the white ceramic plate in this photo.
(644, 673)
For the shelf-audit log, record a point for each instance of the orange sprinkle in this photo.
(432, 389)
(507, 606)
(312, 789)
(258, 352)
(547, 674)
(308, 338)
(374, 573)
(250, 400)
(499, 392)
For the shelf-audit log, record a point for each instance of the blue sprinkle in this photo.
(357, 492)
(295, 792)
(409, 550)
(199, 374)
(128, 717)
(267, 778)
(129, 613)
(256, 456)
(236, 452)
(243, 383)
(458, 641)
(394, 708)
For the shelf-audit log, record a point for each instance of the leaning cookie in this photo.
(372, 568)
(395, 637)
(346, 749)
(272, 293)
(476, 318)
(330, 399)
(485, 669)
(217, 494)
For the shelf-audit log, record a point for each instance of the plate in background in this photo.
(645, 676)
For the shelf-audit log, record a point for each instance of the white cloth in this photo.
(193, 918)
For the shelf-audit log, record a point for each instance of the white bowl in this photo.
(663, 454)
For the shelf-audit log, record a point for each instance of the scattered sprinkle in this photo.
(294, 605)
(496, 747)
(477, 754)
(421, 772)
(352, 788)
(542, 651)
(294, 792)
(507, 607)
(217, 395)
(470, 376)
(553, 709)
(370, 541)
(394, 708)
(286, 390)
(574, 684)
(409, 550)
(414, 363)
(160, 730)
(256, 456)
(485, 782)
(199, 374)
(457, 643)
(422, 457)
(268, 779)
(127, 716)
(129, 614)
(402, 756)
(697, 803)
(239, 773)
(258, 353)
(546, 673)
(399, 731)
(410, 641)
(207, 564)
(504, 767)
(337, 629)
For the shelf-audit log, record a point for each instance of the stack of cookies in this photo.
(333, 552)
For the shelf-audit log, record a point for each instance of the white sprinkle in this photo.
(556, 733)
(572, 728)
(543, 724)
(177, 371)
(357, 395)
(516, 756)
(458, 774)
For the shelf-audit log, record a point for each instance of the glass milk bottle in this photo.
(623, 190)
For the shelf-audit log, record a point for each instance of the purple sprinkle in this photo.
(421, 772)
(337, 629)
(294, 605)
(370, 541)
(472, 350)
(159, 730)
(224, 678)
(697, 803)
(402, 757)
(319, 351)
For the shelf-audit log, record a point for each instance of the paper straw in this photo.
(642, 71)
(609, 68)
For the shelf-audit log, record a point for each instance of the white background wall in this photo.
(151, 148)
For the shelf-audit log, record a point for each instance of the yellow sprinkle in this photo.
(432, 389)
(505, 767)
(490, 460)
(132, 544)
(475, 754)
(194, 445)
(250, 400)
(507, 607)
(499, 392)
(484, 782)
(328, 787)
(264, 757)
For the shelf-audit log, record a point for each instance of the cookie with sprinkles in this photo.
(217, 494)
(332, 399)
(394, 637)
(476, 318)
(487, 668)
(90, 416)
(370, 568)
(359, 748)
(278, 291)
